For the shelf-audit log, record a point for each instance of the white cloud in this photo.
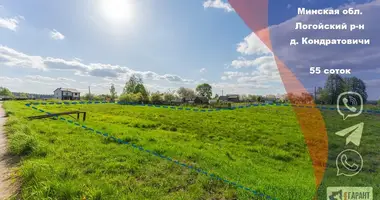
(39, 78)
(218, 4)
(203, 70)
(32, 83)
(264, 70)
(51, 81)
(54, 34)
(230, 75)
(252, 45)
(46, 78)
(11, 23)
(4, 79)
(65, 79)
(244, 63)
(13, 58)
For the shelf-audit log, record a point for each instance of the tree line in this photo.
(7, 93)
(329, 93)
(135, 91)
(335, 85)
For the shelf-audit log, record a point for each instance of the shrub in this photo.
(22, 144)
(135, 98)
(8, 113)
(156, 98)
(12, 121)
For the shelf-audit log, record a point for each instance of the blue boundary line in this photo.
(198, 109)
(120, 141)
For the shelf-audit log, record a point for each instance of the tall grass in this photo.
(248, 146)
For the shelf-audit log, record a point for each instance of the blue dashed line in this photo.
(200, 110)
(170, 159)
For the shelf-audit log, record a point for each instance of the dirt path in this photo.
(7, 187)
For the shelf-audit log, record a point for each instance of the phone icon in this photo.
(345, 102)
(354, 167)
(352, 103)
(344, 159)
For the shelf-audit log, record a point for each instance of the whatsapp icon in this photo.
(349, 163)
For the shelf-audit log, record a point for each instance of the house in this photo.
(188, 99)
(233, 97)
(372, 102)
(176, 102)
(201, 100)
(213, 101)
(223, 98)
(269, 99)
(282, 97)
(229, 98)
(3, 98)
(66, 94)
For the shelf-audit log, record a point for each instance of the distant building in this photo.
(282, 97)
(213, 101)
(22, 96)
(372, 102)
(188, 100)
(176, 102)
(201, 100)
(230, 98)
(66, 94)
(3, 98)
(269, 99)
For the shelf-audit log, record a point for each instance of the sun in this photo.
(116, 11)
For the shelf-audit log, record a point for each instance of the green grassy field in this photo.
(368, 149)
(261, 148)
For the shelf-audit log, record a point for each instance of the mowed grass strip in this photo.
(260, 148)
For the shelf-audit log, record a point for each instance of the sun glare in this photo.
(116, 11)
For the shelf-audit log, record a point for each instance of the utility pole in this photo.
(315, 94)
(222, 92)
(89, 93)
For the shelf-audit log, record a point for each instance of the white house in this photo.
(270, 98)
(66, 94)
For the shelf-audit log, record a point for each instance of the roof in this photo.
(177, 101)
(232, 96)
(188, 98)
(202, 98)
(67, 89)
(223, 98)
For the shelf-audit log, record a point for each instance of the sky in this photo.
(170, 44)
